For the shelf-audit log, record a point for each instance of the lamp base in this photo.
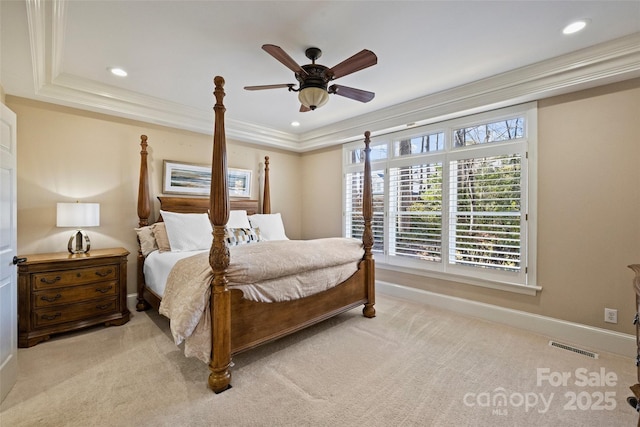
(79, 243)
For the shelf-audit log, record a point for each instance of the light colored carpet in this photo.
(413, 365)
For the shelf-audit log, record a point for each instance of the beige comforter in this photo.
(267, 271)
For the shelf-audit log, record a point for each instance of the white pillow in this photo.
(187, 232)
(238, 219)
(270, 225)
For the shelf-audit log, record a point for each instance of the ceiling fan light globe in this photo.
(313, 97)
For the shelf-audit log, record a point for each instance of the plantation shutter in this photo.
(415, 212)
(486, 212)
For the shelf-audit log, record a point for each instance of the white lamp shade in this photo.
(78, 215)
(313, 97)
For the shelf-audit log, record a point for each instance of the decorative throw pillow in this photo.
(240, 236)
(270, 225)
(146, 239)
(160, 235)
(187, 231)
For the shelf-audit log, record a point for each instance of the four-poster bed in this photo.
(237, 323)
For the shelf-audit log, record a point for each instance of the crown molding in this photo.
(601, 64)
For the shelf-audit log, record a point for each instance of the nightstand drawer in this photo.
(59, 279)
(74, 294)
(79, 311)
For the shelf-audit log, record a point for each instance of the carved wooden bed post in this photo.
(367, 234)
(266, 199)
(220, 376)
(144, 210)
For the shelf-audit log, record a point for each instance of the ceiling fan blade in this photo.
(304, 109)
(361, 60)
(352, 93)
(284, 58)
(289, 85)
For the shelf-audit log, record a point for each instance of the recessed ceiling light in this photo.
(118, 72)
(295, 124)
(574, 27)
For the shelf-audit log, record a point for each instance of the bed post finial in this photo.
(367, 234)
(220, 376)
(266, 193)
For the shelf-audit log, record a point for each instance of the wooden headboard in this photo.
(201, 205)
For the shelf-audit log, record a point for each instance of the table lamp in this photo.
(78, 215)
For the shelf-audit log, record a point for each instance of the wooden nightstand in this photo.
(62, 292)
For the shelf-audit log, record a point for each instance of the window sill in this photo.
(502, 286)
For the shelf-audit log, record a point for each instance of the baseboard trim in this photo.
(584, 336)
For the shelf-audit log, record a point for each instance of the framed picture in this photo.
(239, 182)
(195, 179)
(186, 178)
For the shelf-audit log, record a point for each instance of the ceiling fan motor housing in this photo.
(316, 76)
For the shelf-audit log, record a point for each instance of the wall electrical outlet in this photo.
(610, 315)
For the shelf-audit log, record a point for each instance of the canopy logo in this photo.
(585, 399)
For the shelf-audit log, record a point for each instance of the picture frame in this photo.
(239, 182)
(186, 178)
(194, 179)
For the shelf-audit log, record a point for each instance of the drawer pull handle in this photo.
(49, 317)
(50, 281)
(636, 319)
(103, 306)
(104, 290)
(50, 299)
(104, 273)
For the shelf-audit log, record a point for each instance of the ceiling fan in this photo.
(313, 79)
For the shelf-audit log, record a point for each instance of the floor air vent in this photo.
(574, 349)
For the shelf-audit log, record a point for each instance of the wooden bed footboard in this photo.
(275, 320)
(239, 324)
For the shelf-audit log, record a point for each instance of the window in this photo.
(453, 199)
